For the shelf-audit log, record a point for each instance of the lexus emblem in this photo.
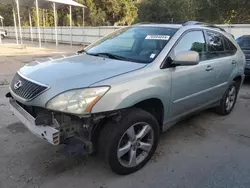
(18, 84)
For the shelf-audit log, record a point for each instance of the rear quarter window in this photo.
(229, 46)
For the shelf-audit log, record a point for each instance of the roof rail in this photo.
(215, 27)
(191, 23)
(141, 23)
(202, 23)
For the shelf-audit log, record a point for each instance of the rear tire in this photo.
(229, 99)
(123, 144)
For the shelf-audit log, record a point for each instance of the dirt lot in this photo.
(206, 150)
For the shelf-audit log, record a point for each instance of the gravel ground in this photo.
(203, 151)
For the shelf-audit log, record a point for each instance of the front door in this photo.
(191, 85)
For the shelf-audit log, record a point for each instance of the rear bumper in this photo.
(45, 132)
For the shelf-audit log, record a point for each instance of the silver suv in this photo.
(117, 95)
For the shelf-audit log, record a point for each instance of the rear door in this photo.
(222, 59)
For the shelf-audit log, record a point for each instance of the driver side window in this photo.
(192, 41)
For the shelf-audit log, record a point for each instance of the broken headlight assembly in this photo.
(78, 101)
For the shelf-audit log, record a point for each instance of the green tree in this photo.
(212, 11)
(94, 16)
(6, 12)
(128, 13)
(118, 12)
(228, 11)
(163, 10)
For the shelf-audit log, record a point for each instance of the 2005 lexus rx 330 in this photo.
(117, 95)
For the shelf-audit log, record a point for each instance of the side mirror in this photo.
(186, 58)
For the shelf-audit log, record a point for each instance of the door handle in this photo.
(234, 62)
(209, 68)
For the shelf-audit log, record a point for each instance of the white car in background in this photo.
(3, 33)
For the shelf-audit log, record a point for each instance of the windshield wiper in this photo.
(82, 51)
(112, 56)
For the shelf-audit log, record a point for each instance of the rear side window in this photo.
(219, 46)
(192, 41)
(215, 42)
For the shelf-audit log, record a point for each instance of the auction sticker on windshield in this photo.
(152, 56)
(157, 37)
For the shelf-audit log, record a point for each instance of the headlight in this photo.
(79, 101)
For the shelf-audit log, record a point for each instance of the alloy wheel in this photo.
(231, 97)
(135, 144)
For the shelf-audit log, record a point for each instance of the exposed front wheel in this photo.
(128, 145)
(229, 99)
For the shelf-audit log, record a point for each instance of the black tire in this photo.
(222, 108)
(2, 37)
(113, 132)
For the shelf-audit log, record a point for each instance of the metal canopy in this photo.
(64, 2)
(43, 4)
(67, 2)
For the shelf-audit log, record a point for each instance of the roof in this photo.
(191, 24)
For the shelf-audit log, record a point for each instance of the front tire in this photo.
(128, 144)
(2, 37)
(229, 99)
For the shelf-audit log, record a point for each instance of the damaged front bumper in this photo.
(45, 132)
(79, 134)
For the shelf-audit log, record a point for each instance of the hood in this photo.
(76, 71)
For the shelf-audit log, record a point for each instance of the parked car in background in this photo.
(244, 43)
(117, 95)
(3, 33)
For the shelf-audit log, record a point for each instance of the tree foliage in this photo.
(118, 12)
(6, 12)
(213, 11)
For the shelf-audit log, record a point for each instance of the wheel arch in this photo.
(154, 106)
(238, 79)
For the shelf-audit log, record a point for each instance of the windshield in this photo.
(137, 44)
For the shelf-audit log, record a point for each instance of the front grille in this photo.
(26, 89)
